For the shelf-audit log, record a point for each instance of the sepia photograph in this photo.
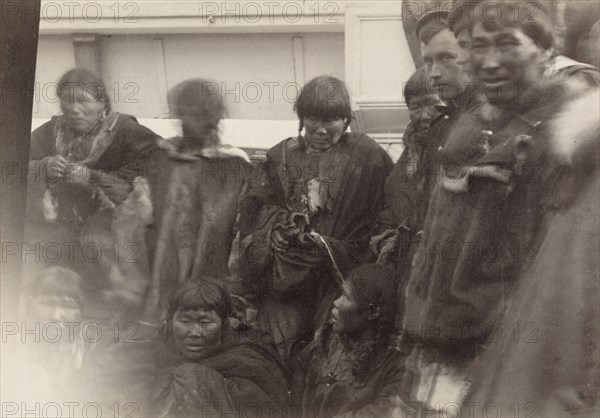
(300, 208)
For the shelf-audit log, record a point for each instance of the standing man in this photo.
(501, 182)
(450, 80)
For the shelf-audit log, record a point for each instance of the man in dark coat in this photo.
(499, 184)
(544, 356)
(447, 72)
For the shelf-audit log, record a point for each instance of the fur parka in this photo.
(504, 175)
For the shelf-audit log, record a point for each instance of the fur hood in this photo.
(576, 128)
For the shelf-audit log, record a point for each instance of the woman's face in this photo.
(81, 106)
(196, 332)
(321, 134)
(422, 111)
(346, 315)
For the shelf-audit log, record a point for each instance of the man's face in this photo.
(196, 333)
(507, 62)
(464, 44)
(440, 56)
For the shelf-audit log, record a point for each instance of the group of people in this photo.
(329, 282)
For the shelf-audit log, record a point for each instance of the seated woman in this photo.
(87, 170)
(215, 368)
(350, 369)
(318, 203)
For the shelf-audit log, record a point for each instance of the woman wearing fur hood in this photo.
(502, 185)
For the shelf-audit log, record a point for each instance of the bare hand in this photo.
(77, 174)
(56, 167)
(280, 239)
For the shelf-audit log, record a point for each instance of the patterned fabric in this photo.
(109, 215)
(347, 197)
(331, 381)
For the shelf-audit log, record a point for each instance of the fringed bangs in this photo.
(57, 281)
(324, 97)
(201, 294)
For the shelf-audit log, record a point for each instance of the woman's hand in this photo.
(280, 238)
(55, 167)
(77, 174)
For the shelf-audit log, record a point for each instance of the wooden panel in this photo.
(378, 58)
(87, 53)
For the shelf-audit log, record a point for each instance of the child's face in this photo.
(53, 308)
(346, 315)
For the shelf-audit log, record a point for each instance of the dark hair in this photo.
(417, 85)
(430, 24)
(513, 13)
(204, 294)
(90, 83)
(200, 98)
(461, 14)
(57, 281)
(324, 97)
(374, 288)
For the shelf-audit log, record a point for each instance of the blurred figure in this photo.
(204, 182)
(46, 363)
(318, 205)
(90, 163)
(61, 355)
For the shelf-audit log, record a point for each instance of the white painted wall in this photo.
(256, 70)
(54, 58)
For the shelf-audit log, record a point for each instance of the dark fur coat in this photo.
(503, 177)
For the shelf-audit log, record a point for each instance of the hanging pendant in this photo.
(330, 379)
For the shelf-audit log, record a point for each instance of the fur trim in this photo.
(171, 145)
(576, 125)
(231, 151)
(577, 120)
